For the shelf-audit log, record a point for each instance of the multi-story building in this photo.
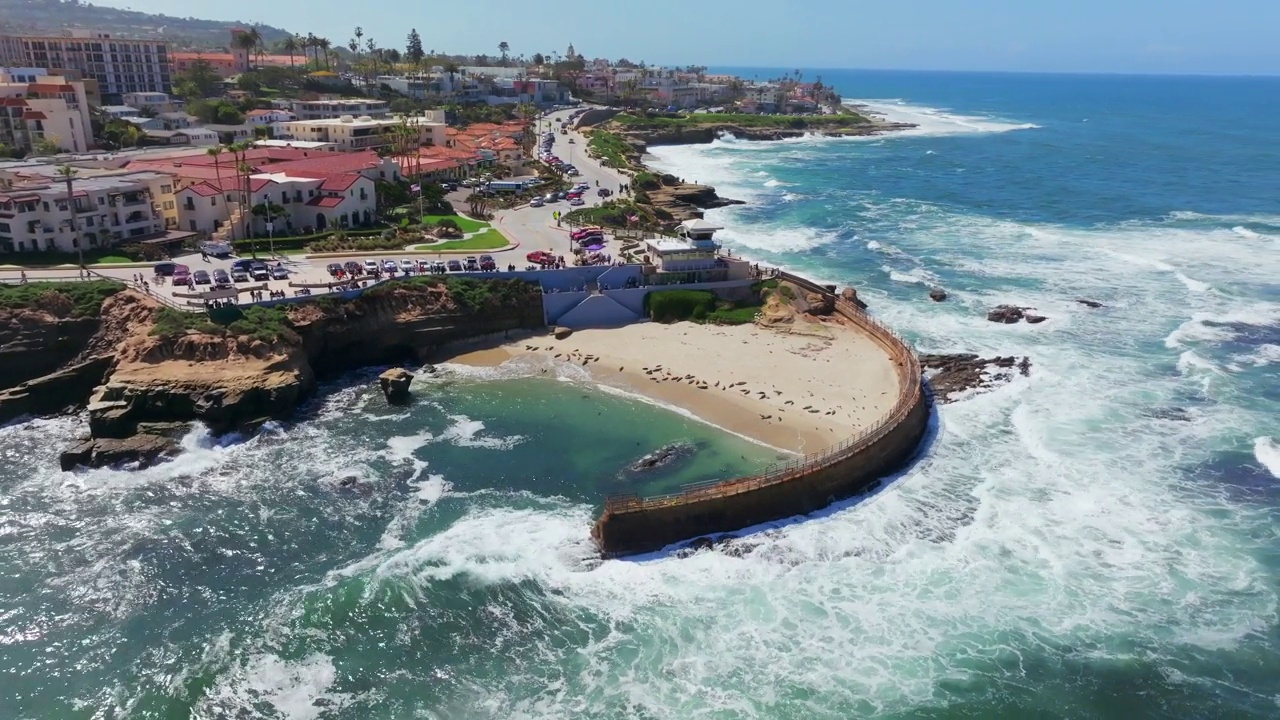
(348, 133)
(105, 210)
(48, 108)
(336, 108)
(228, 64)
(268, 117)
(118, 65)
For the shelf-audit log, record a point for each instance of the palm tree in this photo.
(249, 40)
(290, 46)
(324, 44)
(313, 42)
(215, 152)
(504, 48)
(68, 175)
(243, 170)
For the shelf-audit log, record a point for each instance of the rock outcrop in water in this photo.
(1010, 314)
(395, 385)
(951, 375)
(134, 377)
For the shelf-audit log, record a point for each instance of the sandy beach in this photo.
(792, 391)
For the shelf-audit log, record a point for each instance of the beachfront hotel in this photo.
(118, 65)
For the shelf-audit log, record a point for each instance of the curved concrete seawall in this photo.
(632, 524)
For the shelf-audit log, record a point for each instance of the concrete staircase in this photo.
(223, 234)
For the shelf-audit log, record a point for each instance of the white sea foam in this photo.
(1266, 354)
(296, 690)
(936, 121)
(1267, 451)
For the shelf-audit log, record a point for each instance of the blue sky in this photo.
(1140, 36)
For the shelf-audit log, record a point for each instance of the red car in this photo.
(583, 232)
(540, 257)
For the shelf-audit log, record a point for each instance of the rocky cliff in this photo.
(144, 379)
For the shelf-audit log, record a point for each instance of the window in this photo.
(213, 202)
(166, 189)
(168, 204)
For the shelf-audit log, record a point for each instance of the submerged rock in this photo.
(1089, 303)
(937, 294)
(395, 385)
(1034, 319)
(1007, 314)
(664, 455)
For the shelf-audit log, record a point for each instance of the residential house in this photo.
(118, 65)
(51, 108)
(232, 133)
(177, 120)
(120, 111)
(268, 117)
(156, 102)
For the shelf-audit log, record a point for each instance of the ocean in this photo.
(1095, 540)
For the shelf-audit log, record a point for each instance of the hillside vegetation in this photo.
(51, 17)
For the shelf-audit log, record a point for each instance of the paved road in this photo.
(532, 228)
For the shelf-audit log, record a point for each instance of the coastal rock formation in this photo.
(702, 134)
(820, 304)
(1089, 303)
(686, 201)
(1007, 314)
(1033, 318)
(135, 378)
(851, 295)
(561, 332)
(35, 342)
(395, 385)
(143, 449)
(951, 375)
(937, 294)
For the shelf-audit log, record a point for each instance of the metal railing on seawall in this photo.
(908, 398)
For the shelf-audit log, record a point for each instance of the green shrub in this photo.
(267, 324)
(667, 306)
(646, 181)
(61, 299)
(171, 322)
(787, 292)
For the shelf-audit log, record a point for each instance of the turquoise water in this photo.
(1096, 540)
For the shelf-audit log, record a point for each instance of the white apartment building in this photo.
(336, 108)
(120, 111)
(268, 117)
(48, 108)
(118, 65)
(108, 210)
(349, 133)
(309, 204)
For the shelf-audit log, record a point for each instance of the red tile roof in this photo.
(325, 202)
(338, 183)
(34, 115)
(203, 189)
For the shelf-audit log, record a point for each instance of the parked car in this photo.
(334, 268)
(590, 238)
(577, 200)
(259, 271)
(472, 264)
(353, 268)
(371, 266)
(536, 202)
(562, 195)
(604, 192)
(221, 278)
(279, 272)
(550, 198)
(487, 263)
(165, 269)
(571, 171)
(201, 277)
(243, 263)
(454, 266)
(389, 266)
(538, 257)
(576, 234)
(181, 275)
(408, 266)
(239, 275)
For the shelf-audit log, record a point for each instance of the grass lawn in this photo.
(114, 260)
(488, 240)
(37, 259)
(466, 224)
